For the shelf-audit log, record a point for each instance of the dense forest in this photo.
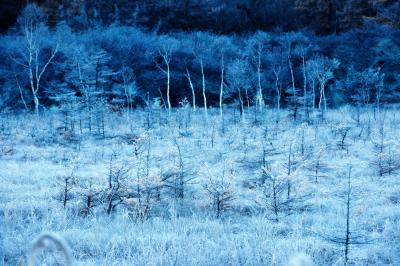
(210, 53)
(220, 17)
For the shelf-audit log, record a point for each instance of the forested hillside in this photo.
(124, 57)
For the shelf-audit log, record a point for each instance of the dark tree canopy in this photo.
(219, 16)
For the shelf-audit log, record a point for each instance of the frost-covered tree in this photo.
(166, 48)
(130, 86)
(39, 48)
(322, 69)
(256, 46)
(224, 47)
(89, 73)
(272, 193)
(302, 50)
(219, 188)
(239, 78)
(276, 60)
(289, 45)
(201, 50)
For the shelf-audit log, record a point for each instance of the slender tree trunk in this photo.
(36, 102)
(321, 91)
(65, 193)
(292, 77)
(378, 100)
(21, 93)
(97, 78)
(168, 89)
(274, 196)
(31, 80)
(313, 96)
(204, 86)
(278, 93)
(304, 85)
(289, 184)
(192, 89)
(127, 94)
(260, 96)
(347, 239)
(241, 104)
(293, 88)
(322, 96)
(221, 91)
(247, 98)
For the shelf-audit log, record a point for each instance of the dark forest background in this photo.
(217, 16)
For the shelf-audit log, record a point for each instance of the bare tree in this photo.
(219, 189)
(276, 61)
(350, 236)
(165, 50)
(90, 194)
(310, 67)
(202, 51)
(302, 50)
(342, 130)
(317, 165)
(288, 44)
(116, 191)
(129, 85)
(33, 29)
(69, 180)
(192, 90)
(238, 75)
(387, 158)
(221, 90)
(257, 46)
(222, 49)
(272, 191)
(322, 69)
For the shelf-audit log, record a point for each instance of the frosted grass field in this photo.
(36, 154)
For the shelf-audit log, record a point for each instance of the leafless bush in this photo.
(219, 188)
(386, 161)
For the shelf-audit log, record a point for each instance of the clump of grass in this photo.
(49, 241)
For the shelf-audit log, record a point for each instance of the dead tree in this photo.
(68, 182)
(349, 236)
(386, 161)
(342, 131)
(192, 89)
(90, 195)
(272, 191)
(116, 192)
(268, 151)
(32, 26)
(317, 165)
(165, 51)
(177, 181)
(220, 192)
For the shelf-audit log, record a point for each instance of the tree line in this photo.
(128, 66)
